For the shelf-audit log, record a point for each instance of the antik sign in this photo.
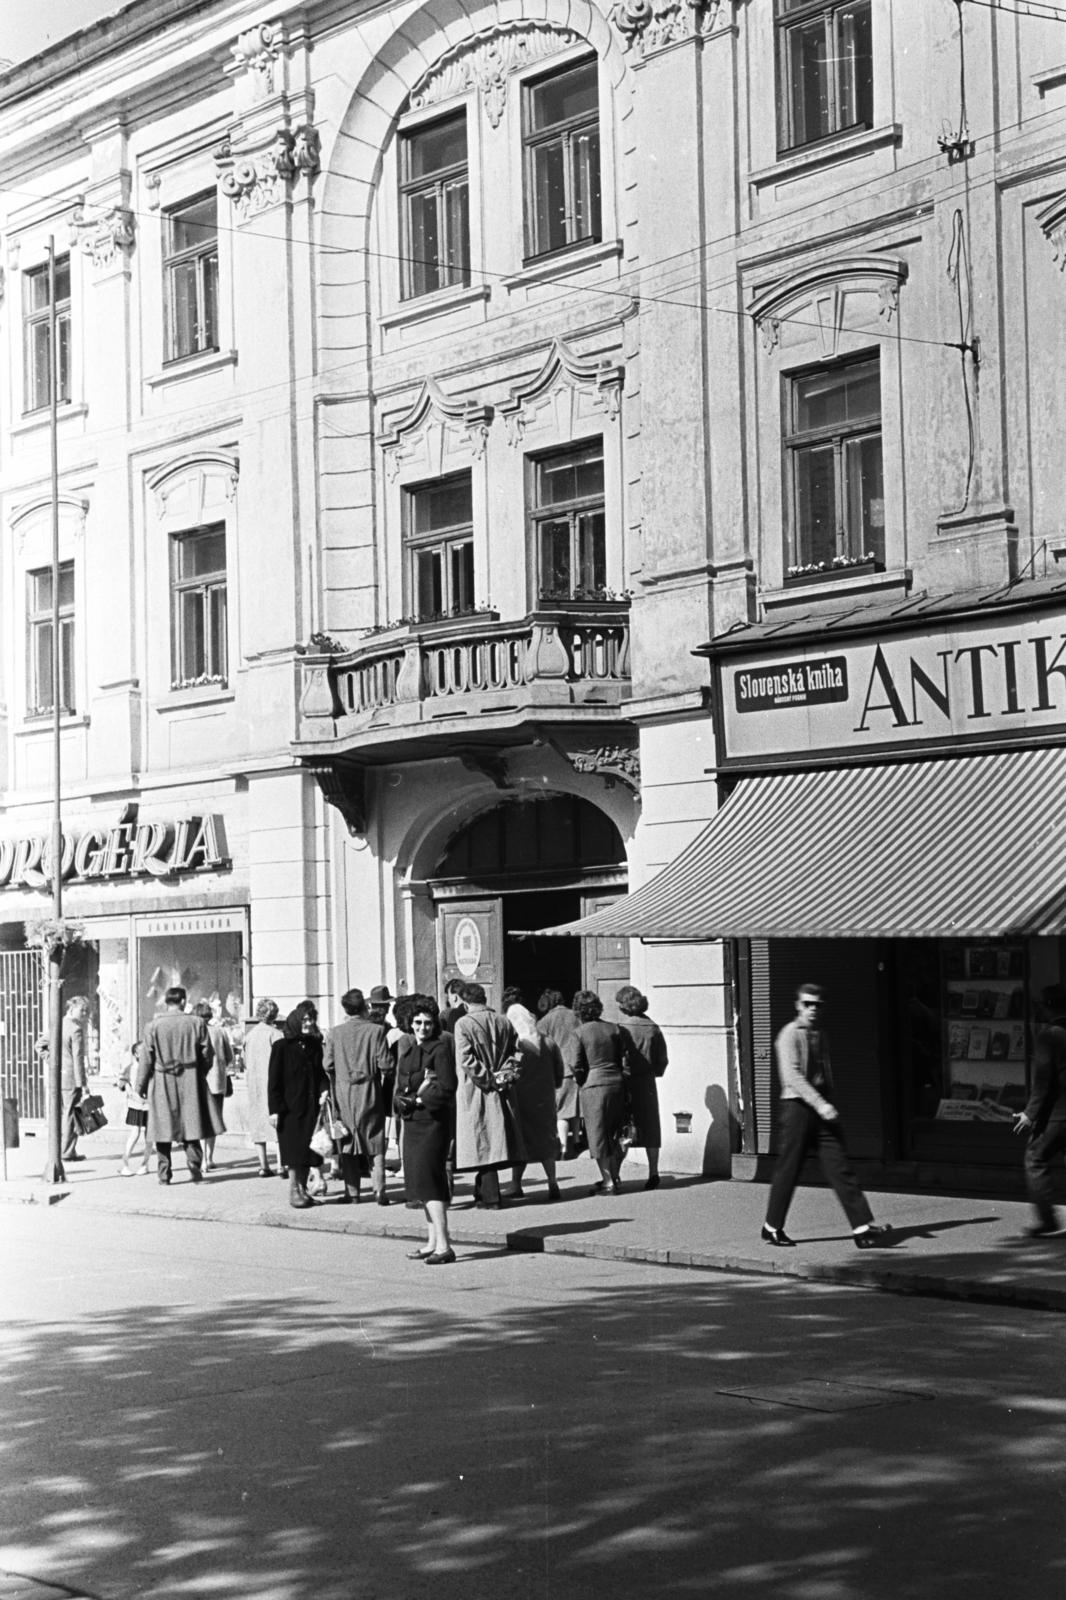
(975, 681)
(130, 849)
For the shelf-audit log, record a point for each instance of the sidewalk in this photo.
(943, 1245)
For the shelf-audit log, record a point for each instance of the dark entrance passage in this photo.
(534, 965)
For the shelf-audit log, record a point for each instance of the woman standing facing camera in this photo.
(426, 1083)
(296, 1087)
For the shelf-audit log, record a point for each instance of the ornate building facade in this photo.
(435, 380)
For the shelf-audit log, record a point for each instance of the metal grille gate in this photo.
(22, 1021)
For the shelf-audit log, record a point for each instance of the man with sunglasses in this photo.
(808, 1120)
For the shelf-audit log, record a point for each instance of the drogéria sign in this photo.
(977, 680)
(130, 849)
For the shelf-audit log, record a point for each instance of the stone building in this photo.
(435, 380)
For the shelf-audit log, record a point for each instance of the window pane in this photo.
(423, 243)
(201, 554)
(842, 395)
(549, 198)
(183, 298)
(575, 475)
(864, 483)
(42, 639)
(195, 225)
(585, 182)
(461, 573)
(37, 290)
(66, 651)
(37, 363)
(63, 330)
(66, 584)
(62, 280)
(443, 505)
(555, 559)
(216, 606)
(436, 148)
(209, 331)
(566, 95)
(428, 586)
(816, 531)
(592, 552)
(192, 661)
(41, 590)
(807, 65)
(856, 57)
(457, 230)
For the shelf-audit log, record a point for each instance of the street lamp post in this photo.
(53, 1172)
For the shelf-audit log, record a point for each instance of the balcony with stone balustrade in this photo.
(422, 685)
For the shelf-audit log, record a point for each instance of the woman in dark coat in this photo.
(297, 1087)
(645, 1062)
(597, 1054)
(426, 1085)
(558, 1023)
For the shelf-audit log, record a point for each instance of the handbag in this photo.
(322, 1139)
(229, 1085)
(89, 1114)
(404, 1105)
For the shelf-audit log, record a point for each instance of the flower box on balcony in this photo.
(832, 573)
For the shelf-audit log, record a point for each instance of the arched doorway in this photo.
(530, 864)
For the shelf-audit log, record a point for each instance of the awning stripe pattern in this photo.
(970, 847)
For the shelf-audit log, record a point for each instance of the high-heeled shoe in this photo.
(554, 1191)
(653, 1181)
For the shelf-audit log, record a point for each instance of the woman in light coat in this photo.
(487, 1131)
(257, 1044)
(540, 1076)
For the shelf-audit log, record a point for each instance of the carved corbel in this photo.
(255, 180)
(650, 25)
(346, 792)
(492, 764)
(104, 234)
(1052, 220)
(257, 53)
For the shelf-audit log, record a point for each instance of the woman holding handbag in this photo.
(297, 1087)
(426, 1085)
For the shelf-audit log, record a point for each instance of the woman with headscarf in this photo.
(258, 1042)
(558, 1023)
(535, 1091)
(645, 1061)
(598, 1057)
(426, 1085)
(297, 1087)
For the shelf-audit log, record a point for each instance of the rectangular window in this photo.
(833, 461)
(562, 140)
(39, 678)
(199, 648)
(440, 548)
(824, 69)
(37, 333)
(190, 270)
(435, 207)
(569, 524)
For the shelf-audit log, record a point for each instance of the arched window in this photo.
(551, 836)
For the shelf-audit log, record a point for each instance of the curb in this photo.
(922, 1285)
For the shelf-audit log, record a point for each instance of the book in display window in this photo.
(985, 1030)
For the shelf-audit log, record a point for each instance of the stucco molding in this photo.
(614, 763)
(256, 180)
(257, 53)
(822, 290)
(73, 511)
(188, 478)
(105, 234)
(486, 61)
(562, 368)
(1052, 220)
(650, 25)
(463, 418)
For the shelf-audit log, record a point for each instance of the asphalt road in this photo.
(210, 1410)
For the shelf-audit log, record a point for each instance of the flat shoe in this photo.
(873, 1238)
(440, 1258)
(419, 1255)
(126, 1172)
(382, 1199)
(776, 1236)
(653, 1182)
(554, 1191)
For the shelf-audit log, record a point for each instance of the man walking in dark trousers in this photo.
(810, 1121)
(1045, 1114)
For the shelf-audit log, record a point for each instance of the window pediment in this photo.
(600, 382)
(486, 61)
(434, 424)
(819, 295)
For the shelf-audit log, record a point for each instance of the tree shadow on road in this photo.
(550, 1444)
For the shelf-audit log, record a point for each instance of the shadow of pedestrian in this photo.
(897, 1236)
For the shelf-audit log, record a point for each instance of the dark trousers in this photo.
(1040, 1155)
(70, 1127)
(801, 1129)
(194, 1156)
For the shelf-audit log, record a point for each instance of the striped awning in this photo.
(971, 847)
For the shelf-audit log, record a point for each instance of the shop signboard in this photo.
(976, 680)
(129, 849)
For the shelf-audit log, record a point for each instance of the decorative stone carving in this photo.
(650, 25)
(485, 62)
(346, 792)
(153, 183)
(258, 180)
(1052, 220)
(256, 52)
(602, 380)
(104, 234)
(465, 421)
(492, 764)
(816, 300)
(614, 763)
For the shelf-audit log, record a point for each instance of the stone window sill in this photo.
(843, 587)
(37, 727)
(192, 367)
(208, 694)
(42, 419)
(850, 145)
(562, 265)
(434, 305)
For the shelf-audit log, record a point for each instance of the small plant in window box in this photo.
(598, 596)
(839, 567)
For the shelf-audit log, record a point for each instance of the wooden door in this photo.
(606, 960)
(470, 945)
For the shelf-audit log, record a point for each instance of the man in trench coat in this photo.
(176, 1057)
(358, 1059)
(488, 1133)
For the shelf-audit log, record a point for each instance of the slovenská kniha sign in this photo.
(1001, 678)
(130, 849)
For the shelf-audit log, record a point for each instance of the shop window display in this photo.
(208, 966)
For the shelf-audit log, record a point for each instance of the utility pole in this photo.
(53, 1172)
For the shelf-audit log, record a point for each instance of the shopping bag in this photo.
(322, 1139)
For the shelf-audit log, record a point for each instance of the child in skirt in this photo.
(136, 1121)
